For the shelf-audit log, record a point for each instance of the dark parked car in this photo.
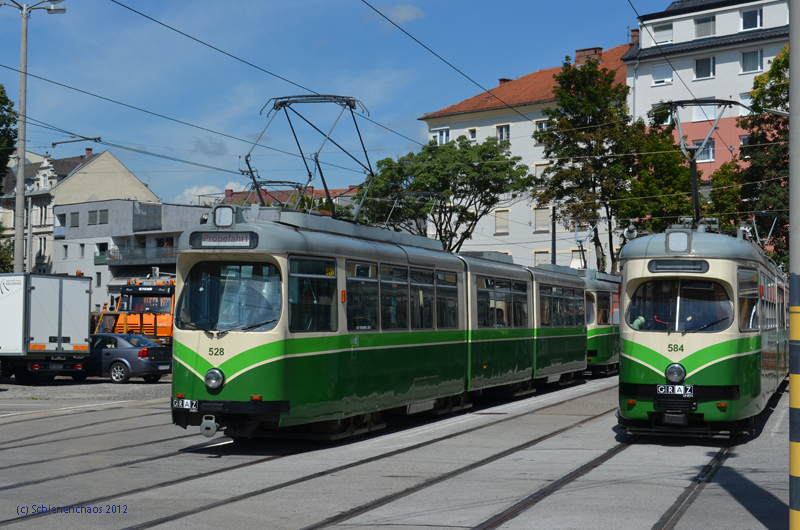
(122, 356)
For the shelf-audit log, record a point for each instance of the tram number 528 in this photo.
(675, 347)
(219, 352)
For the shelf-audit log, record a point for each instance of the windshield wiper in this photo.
(705, 326)
(247, 327)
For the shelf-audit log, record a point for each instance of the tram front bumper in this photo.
(187, 412)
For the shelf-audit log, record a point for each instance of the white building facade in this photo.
(706, 49)
(514, 112)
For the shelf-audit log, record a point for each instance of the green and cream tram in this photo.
(286, 319)
(704, 345)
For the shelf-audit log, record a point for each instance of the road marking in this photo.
(65, 408)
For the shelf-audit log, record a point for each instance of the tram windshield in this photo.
(685, 306)
(227, 296)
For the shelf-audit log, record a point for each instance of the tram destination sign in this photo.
(223, 240)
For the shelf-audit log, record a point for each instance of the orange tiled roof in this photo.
(530, 89)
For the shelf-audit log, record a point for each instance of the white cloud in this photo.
(403, 13)
(190, 195)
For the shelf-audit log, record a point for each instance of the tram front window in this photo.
(225, 296)
(685, 306)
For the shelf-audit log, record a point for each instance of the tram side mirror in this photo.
(204, 219)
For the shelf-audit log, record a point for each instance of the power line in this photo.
(445, 61)
(252, 65)
(170, 119)
(638, 17)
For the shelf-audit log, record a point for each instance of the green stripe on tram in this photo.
(697, 361)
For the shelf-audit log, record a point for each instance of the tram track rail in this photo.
(76, 427)
(275, 487)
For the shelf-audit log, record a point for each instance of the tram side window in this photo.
(580, 308)
(589, 308)
(312, 295)
(569, 307)
(394, 297)
(446, 300)
(559, 309)
(502, 304)
(615, 309)
(486, 302)
(362, 296)
(520, 292)
(603, 308)
(423, 295)
(748, 300)
(546, 305)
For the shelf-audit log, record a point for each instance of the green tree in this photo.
(8, 130)
(588, 134)
(452, 186)
(765, 179)
(6, 254)
(726, 195)
(660, 191)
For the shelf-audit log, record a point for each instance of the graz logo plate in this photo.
(675, 390)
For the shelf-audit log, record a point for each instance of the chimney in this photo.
(228, 193)
(504, 80)
(88, 151)
(634, 36)
(585, 53)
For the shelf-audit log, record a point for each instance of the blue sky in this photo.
(330, 46)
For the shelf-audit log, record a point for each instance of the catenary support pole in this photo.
(19, 210)
(794, 271)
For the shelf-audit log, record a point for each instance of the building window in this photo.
(540, 126)
(92, 217)
(704, 68)
(73, 219)
(705, 27)
(751, 19)
(541, 258)
(662, 74)
(707, 154)
(705, 112)
(103, 217)
(472, 134)
(667, 115)
(66, 251)
(747, 101)
(441, 136)
(743, 141)
(751, 61)
(538, 169)
(99, 280)
(83, 250)
(42, 246)
(501, 222)
(662, 33)
(504, 133)
(541, 220)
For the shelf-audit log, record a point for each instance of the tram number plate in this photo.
(190, 404)
(676, 390)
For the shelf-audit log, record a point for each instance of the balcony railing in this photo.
(136, 256)
(59, 232)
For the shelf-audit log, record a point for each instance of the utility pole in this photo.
(19, 206)
(794, 272)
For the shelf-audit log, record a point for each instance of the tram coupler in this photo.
(208, 427)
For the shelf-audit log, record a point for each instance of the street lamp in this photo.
(19, 210)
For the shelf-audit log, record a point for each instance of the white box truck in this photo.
(44, 326)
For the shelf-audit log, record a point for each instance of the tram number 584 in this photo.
(219, 352)
(675, 347)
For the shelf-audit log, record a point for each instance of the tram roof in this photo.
(698, 245)
(289, 231)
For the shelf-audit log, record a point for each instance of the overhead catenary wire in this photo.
(254, 66)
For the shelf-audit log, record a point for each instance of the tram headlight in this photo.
(675, 373)
(214, 378)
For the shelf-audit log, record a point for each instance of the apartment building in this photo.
(706, 49)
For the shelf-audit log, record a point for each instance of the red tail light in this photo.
(79, 367)
(35, 367)
(143, 353)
